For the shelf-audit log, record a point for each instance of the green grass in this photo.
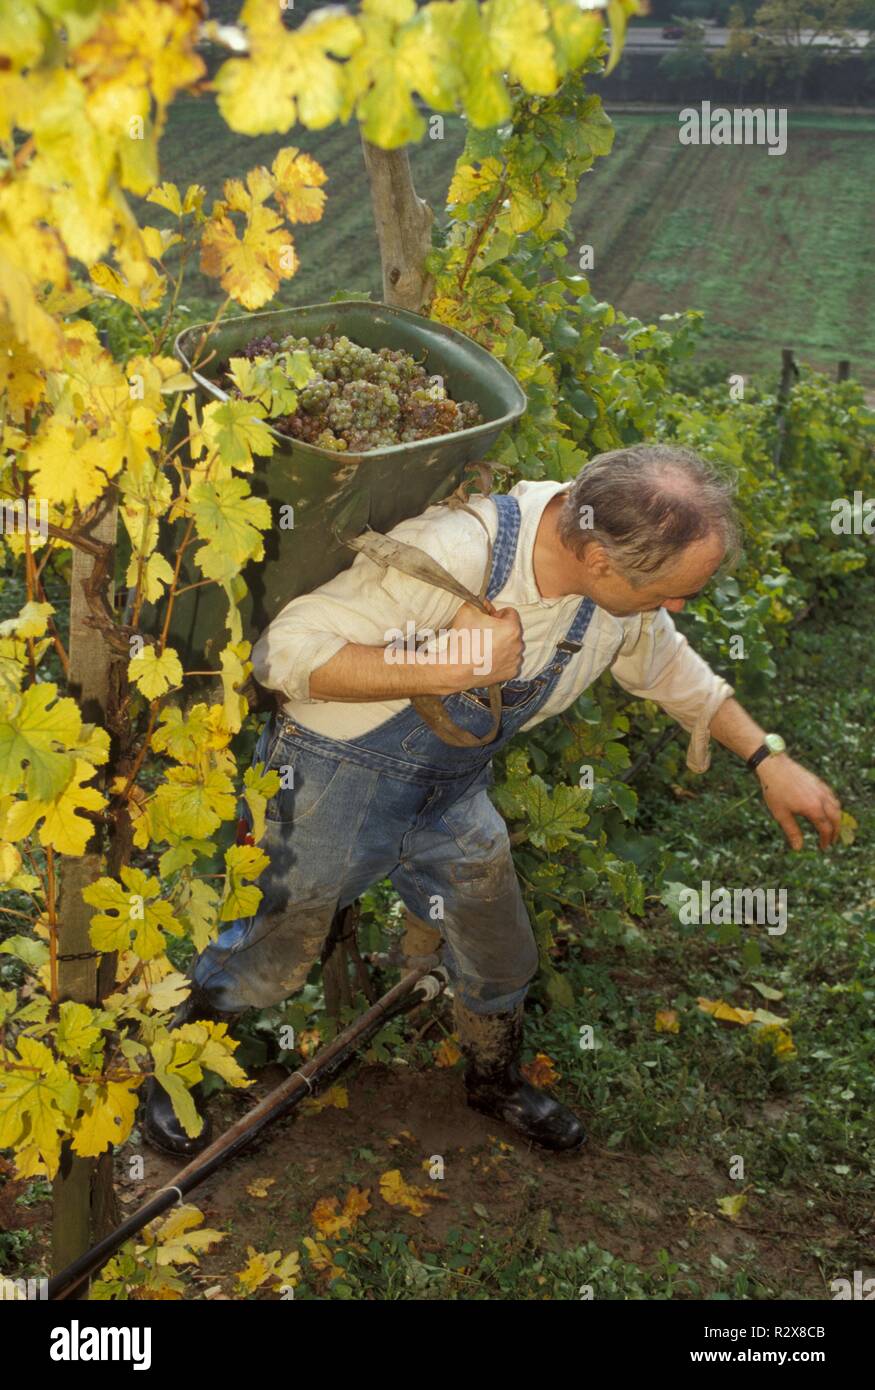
(777, 251)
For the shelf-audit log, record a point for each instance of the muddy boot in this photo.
(495, 1085)
(161, 1128)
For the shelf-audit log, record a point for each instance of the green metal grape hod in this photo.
(336, 496)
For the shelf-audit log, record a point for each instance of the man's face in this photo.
(681, 580)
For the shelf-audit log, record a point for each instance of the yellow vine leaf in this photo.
(718, 1008)
(133, 917)
(144, 292)
(237, 429)
(298, 186)
(168, 992)
(21, 381)
(177, 1239)
(778, 1039)
(398, 1193)
(519, 40)
(180, 1058)
(447, 1053)
(288, 75)
(146, 43)
(268, 1267)
(331, 1220)
(541, 1071)
(79, 1031)
(231, 522)
(321, 1259)
(62, 828)
(38, 1099)
(469, 181)
(153, 673)
(259, 787)
(235, 668)
(260, 1187)
(242, 863)
(732, 1206)
(618, 18)
(666, 1021)
(848, 828)
(10, 861)
(200, 913)
(69, 465)
(8, 1004)
(35, 729)
(395, 58)
(335, 1098)
(157, 575)
(190, 803)
(34, 954)
(185, 735)
(249, 267)
(107, 1117)
(30, 622)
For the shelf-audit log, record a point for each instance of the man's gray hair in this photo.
(648, 501)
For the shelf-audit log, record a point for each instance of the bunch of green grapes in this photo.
(316, 395)
(359, 399)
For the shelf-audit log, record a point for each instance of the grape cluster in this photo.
(360, 399)
(260, 347)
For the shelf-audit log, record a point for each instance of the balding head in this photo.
(645, 505)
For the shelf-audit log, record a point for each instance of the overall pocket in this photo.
(468, 713)
(305, 781)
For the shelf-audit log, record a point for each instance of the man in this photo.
(580, 577)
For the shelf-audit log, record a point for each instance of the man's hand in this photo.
(790, 790)
(358, 673)
(501, 645)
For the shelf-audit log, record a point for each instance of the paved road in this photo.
(648, 39)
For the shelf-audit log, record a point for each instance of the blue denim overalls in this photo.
(395, 803)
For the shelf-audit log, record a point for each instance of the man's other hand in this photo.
(790, 790)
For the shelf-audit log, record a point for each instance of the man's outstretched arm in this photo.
(789, 789)
(663, 667)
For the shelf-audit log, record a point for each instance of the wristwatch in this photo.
(770, 747)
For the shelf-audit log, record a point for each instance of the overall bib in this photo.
(401, 804)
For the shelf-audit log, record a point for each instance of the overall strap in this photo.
(504, 547)
(573, 640)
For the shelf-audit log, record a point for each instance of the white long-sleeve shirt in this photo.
(367, 604)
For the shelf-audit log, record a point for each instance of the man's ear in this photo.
(596, 560)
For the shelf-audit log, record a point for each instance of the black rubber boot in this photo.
(161, 1128)
(495, 1085)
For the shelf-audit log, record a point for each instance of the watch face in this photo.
(774, 743)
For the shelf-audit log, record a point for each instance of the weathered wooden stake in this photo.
(83, 1203)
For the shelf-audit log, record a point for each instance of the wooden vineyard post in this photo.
(789, 375)
(83, 1202)
(403, 221)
